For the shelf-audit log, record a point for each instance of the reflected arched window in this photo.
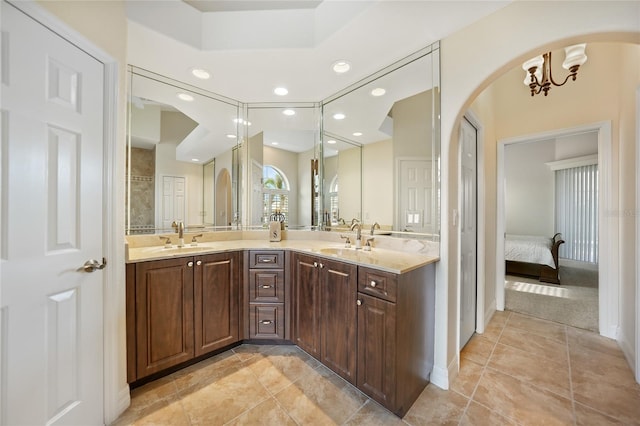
(275, 193)
(334, 211)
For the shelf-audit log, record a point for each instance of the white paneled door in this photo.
(51, 343)
(415, 189)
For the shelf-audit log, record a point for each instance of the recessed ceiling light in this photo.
(195, 160)
(289, 112)
(357, 133)
(185, 97)
(331, 141)
(339, 116)
(341, 67)
(230, 136)
(201, 73)
(274, 143)
(280, 91)
(378, 91)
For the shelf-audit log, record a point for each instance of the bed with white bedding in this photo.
(533, 256)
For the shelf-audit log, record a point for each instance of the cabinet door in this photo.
(338, 291)
(164, 314)
(216, 301)
(377, 349)
(306, 304)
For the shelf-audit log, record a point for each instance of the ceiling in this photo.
(251, 47)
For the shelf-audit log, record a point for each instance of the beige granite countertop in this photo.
(146, 248)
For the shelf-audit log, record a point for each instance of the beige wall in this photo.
(378, 183)
(565, 23)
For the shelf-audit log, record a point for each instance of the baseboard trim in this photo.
(442, 378)
(124, 400)
(489, 313)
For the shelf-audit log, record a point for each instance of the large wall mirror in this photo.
(180, 156)
(282, 164)
(387, 130)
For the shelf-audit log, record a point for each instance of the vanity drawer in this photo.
(267, 259)
(266, 321)
(378, 283)
(266, 286)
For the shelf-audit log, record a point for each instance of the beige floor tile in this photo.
(281, 366)
(542, 327)
(160, 413)
(620, 402)
(493, 330)
(265, 413)
(500, 317)
(205, 372)
(373, 414)
(246, 351)
(321, 397)
(588, 366)
(224, 399)
(477, 415)
(159, 390)
(468, 377)
(586, 416)
(535, 344)
(522, 402)
(582, 339)
(436, 406)
(478, 349)
(530, 368)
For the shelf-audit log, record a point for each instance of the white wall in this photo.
(565, 23)
(377, 183)
(529, 195)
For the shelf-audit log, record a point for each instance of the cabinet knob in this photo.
(358, 302)
(199, 262)
(373, 284)
(190, 264)
(315, 264)
(266, 322)
(322, 265)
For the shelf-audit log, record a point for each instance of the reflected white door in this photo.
(173, 200)
(51, 220)
(415, 189)
(468, 231)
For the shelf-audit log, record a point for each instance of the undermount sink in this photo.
(185, 249)
(350, 253)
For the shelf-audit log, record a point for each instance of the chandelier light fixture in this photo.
(538, 70)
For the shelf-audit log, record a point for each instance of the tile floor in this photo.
(521, 371)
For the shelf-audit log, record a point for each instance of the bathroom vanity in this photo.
(368, 316)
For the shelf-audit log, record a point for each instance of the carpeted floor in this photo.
(573, 303)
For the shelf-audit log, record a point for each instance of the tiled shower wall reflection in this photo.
(142, 198)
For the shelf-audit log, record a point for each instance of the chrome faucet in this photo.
(374, 227)
(179, 228)
(358, 227)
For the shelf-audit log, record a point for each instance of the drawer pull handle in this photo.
(266, 286)
(266, 260)
(266, 322)
(373, 284)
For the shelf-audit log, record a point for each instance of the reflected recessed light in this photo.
(331, 141)
(274, 143)
(230, 136)
(289, 112)
(339, 116)
(195, 159)
(185, 97)
(241, 121)
(280, 91)
(201, 73)
(378, 91)
(357, 133)
(341, 67)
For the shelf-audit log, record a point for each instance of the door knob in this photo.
(92, 264)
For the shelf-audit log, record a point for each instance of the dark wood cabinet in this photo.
(266, 293)
(179, 309)
(306, 304)
(216, 287)
(325, 315)
(163, 314)
(395, 335)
